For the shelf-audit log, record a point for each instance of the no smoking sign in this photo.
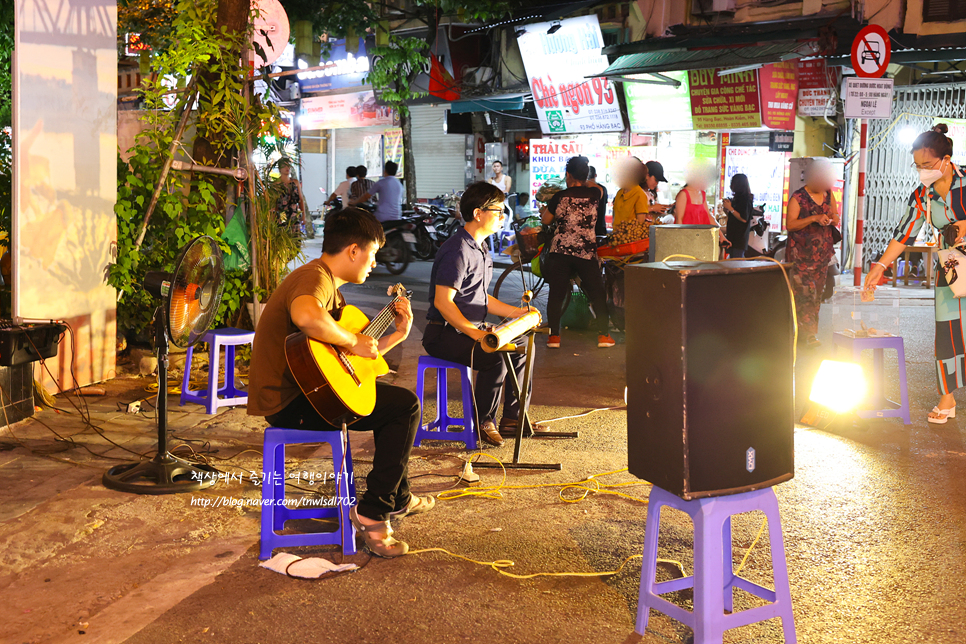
(871, 51)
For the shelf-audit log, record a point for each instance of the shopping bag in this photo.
(952, 262)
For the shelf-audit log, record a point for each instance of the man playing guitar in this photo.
(459, 303)
(305, 301)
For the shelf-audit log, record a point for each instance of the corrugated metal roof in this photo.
(675, 60)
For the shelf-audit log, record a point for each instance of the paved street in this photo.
(874, 526)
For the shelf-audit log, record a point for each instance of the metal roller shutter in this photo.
(439, 157)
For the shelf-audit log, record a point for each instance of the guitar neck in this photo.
(378, 325)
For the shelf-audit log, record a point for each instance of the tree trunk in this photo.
(409, 160)
(233, 15)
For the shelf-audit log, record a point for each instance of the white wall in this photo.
(315, 175)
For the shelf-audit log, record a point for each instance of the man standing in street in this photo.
(389, 190)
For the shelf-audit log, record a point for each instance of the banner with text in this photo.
(779, 89)
(724, 102)
(357, 109)
(558, 65)
(815, 83)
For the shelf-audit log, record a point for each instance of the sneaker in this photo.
(553, 342)
(605, 342)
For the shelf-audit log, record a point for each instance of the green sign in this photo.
(658, 108)
(555, 121)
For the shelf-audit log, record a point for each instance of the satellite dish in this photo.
(190, 296)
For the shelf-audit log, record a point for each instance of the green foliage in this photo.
(188, 205)
(6, 60)
(152, 19)
(396, 65)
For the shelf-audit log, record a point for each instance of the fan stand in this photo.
(165, 473)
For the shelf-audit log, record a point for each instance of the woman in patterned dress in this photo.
(940, 200)
(290, 206)
(811, 214)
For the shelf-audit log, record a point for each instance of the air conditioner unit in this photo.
(709, 7)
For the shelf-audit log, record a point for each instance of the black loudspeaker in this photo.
(710, 406)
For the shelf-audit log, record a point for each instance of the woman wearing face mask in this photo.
(940, 199)
(811, 214)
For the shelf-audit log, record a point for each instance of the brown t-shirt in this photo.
(271, 386)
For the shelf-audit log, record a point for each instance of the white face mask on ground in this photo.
(929, 177)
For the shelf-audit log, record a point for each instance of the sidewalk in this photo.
(874, 526)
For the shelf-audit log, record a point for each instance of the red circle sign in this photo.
(871, 51)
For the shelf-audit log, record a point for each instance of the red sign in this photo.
(779, 91)
(871, 51)
(724, 102)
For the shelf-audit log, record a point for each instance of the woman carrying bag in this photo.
(940, 200)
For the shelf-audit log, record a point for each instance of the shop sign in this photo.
(558, 67)
(779, 89)
(781, 141)
(815, 83)
(724, 102)
(868, 98)
(766, 174)
(393, 148)
(342, 69)
(658, 108)
(548, 159)
(355, 109)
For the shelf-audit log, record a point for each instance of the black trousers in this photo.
(393, 425)
(557, 269)
(446, 343)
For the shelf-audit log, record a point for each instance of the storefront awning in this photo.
(740, 58)
(506, 103)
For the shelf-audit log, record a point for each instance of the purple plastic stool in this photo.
(274, 510)
(228, 395)
(714, 578)
(438, 430)
(881, 406)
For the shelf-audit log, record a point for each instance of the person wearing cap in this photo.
(655, 175)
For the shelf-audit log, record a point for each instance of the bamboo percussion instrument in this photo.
(501, 335)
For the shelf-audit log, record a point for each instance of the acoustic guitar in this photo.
(341, 385)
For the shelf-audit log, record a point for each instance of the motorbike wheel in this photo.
(425, 246)
(397, 255)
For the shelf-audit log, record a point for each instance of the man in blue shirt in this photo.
(389, 190)
(459, 304)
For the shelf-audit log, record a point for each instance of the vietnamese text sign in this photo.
(779, 88)
(766, 174)
(558, 65)
(659, 108)
(724, 102)
(341, 70)
(357, 109)
(548, 159)
(868, 98)
(815, 83)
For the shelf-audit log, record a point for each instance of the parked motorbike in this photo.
(400, 245)
(427, 238)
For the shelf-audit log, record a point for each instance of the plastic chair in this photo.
(881, 407)
(438, 430)
(228, 395)
(274, 510)
(714, 579)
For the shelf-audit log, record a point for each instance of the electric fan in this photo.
(190, 296)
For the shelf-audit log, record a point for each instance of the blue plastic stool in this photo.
(438, 430)
(274, 511)
(882, 407)
(228, 395)
(714, 578)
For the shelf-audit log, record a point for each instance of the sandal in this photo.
(387, 547)
(416, 505)
(942, 415)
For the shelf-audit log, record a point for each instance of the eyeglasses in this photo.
(928, 166)
(501, 209)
